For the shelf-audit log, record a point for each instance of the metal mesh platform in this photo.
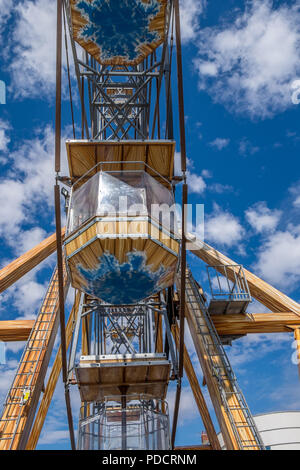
(100, 376)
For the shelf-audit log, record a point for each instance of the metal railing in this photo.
(221, 370)
(223, 288)
(125, 423)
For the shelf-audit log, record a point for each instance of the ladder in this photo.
(233, 403)
(22, 398)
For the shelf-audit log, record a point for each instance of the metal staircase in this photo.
(236, 408)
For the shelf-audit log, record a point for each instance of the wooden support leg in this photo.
(159, 338)
(199, 398)
(51, 384)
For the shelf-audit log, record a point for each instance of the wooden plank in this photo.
(84, 249)
(268, 295)
(203, 447)
(22, 265)
(52, 381)
(15, 330)
(199, 398)
(159, 344)
(81, 158)
(240, 324)
(96, 382)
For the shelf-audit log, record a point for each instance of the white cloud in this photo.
(223, 227)
(220, 188)
(15, 346)
(190, 10)
(4, 137)
(177, 164)
(33, 48)
(256, 307)
(249, 64)
(6, 7)
(279, 258)
(33, 67)
(195, 183)
(219, 143)
(31, 238)
(188, 409)
(220, 284)
(7, 372)
(295, 193)
(287, 396)
(247, 148)
(54, 436)
(207, 68)
(28, 185)
(11, 202)
(261, 218)
(26, 294)
(27, 297)
(296, 202)
(255, 346)
(206, 173)
(26, 195)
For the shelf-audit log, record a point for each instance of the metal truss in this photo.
(119, 99)
(122, 99)
(120, 330)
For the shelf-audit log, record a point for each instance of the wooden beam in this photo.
(15, 330)
(52, 381)
(262, 291)
(203, 447)
(255, 323)
(199, 398)
(29, 260)
(159, 347)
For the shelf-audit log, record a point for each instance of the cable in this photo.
(68, 70)
(58, 216)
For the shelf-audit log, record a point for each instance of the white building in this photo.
(279, 430)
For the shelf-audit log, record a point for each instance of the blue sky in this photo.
(240, 61)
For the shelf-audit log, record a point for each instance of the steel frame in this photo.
(147, 417)
(124, 329)
(113, 114)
